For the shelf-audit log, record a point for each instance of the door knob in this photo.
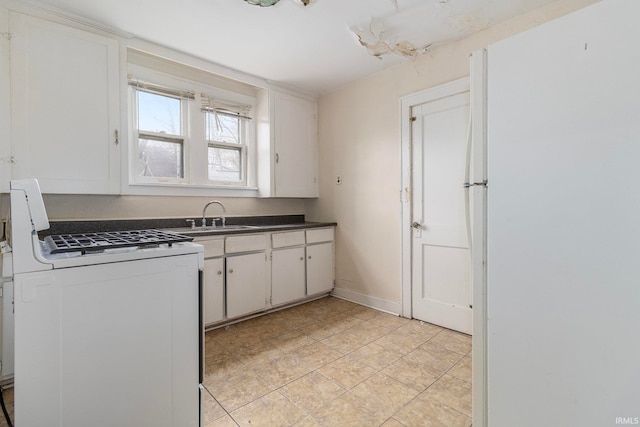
(416, 225)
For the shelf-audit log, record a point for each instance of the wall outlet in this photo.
(338, 180)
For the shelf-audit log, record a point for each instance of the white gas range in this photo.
(107, 325)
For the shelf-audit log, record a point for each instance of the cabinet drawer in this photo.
(253, 242)
(212, 247)
(291, 238)
(320, 235)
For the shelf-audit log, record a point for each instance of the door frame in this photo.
(477, 81)
(406, 104)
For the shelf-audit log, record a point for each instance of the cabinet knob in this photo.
(309, 256)
(219, 272)
(301, 258)
(230, 270)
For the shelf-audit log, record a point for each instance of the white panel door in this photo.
(287, 275)
(441, 283)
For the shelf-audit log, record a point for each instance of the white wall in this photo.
(359, 140)
(82, 207)
(5, 101)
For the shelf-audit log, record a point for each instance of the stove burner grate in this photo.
(98, 242)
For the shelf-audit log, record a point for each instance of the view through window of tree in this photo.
(225, 138)
(160, 135)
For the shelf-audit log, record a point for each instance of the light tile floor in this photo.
(334, 363)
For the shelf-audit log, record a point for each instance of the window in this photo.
(226, 132)
(190, 134)
(161, 137)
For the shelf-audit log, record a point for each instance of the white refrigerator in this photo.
(557, 245)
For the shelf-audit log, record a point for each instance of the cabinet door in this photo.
(64, 107)
(295, 147)
(287, 275)
(213, 290)
(319, 268)
(246, 284)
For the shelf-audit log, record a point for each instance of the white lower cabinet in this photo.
(320, 260)
(240, 278)
(287, 275)
(246, 284)
(319, 268)
(213, 286)
(213, 290)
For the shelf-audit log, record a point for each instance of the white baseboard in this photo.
(368, 301)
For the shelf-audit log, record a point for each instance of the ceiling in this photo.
(314, 48)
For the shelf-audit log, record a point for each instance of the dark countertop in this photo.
(236, 225)
(246, 229)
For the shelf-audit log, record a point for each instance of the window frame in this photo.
(195, 179)
(242, 147)
(155, 136)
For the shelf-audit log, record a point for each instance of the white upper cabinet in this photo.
(68, 117)
(64, 107)
(295, 146)
(288, 147)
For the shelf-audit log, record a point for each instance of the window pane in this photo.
(225, 164)
(158, 113)
(223, 128)
(160, 158)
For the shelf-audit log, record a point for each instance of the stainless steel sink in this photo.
(232, 227)
(209, 229)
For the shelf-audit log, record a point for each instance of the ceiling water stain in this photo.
(374, 39)
(379, 37)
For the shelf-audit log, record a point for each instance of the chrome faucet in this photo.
(204, 218)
